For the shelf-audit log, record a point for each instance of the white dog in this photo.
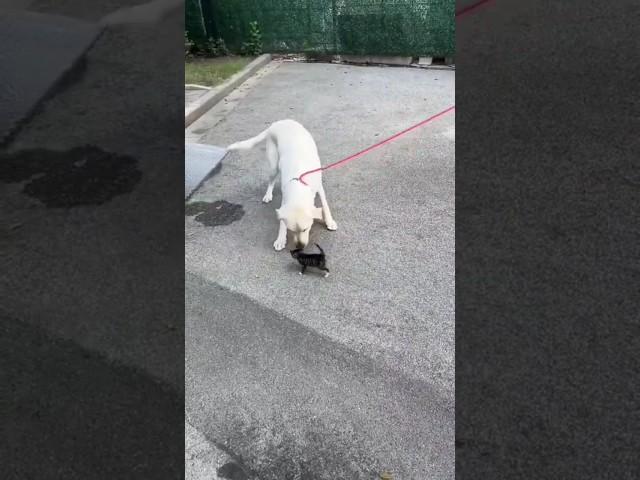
(291, 152)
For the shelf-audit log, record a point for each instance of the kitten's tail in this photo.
(250, 143)
(320, 248)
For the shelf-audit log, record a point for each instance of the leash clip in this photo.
(298, 179)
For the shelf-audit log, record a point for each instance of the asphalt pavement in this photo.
(91, 307)
(352, 375)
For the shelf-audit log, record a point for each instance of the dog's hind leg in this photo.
(272, 156)
(326, 213)
(268, 196)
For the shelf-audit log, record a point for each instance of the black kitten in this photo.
(316, 260)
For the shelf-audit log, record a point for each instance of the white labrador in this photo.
(291, 151)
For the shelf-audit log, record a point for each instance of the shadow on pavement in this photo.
(75, 415)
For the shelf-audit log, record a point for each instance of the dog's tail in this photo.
(320, 248)
(250, 143)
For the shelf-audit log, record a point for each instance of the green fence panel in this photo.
(194, 22)
(358, 27)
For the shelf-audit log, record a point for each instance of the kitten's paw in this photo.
(326, 274)
(331, 225)
(279, 244)
(299, 273)
(267, 198)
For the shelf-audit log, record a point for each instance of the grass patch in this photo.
(212, 71)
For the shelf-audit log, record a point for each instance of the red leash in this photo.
(463, 11)
(471, 8)
(377, 145)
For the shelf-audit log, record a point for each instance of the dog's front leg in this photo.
(281, 241)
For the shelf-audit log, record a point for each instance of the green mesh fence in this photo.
(194, 20)
(357, 27)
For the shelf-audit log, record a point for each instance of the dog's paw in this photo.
(267, 198)
(331, 224)
(279, 244)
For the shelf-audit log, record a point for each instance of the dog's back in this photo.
(296, 148)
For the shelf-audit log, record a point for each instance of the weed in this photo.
(253, 46)
(188, 45)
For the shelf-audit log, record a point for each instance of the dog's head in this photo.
(299, 221)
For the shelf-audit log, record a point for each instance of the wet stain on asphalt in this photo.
(77, 177)
(214, 214)
(232, 471)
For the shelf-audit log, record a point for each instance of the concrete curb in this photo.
(375, 59)
(209, 99)
(371, 60)
(64, 41)
(199, 162)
